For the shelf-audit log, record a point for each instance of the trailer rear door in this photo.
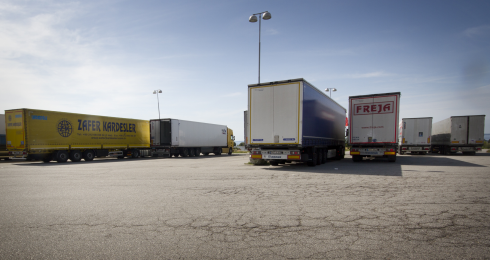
(374, 119)
(459, 129)
(476, 125)
(15, 128)
(274, 113)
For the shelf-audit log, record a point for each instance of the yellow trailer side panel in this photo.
(73, 131)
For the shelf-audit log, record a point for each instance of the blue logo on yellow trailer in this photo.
(64, 128)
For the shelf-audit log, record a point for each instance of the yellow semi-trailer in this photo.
(59, 136)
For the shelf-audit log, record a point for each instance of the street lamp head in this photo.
(252, 19)
(330, 89)
(160, 91)
(154, 91)
(266, 15)
(334, 89)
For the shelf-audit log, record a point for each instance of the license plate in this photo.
(368, 152)
(272, 156)
(415, 148)
(467, 148)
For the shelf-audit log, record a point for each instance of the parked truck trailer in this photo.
(458, 134)
(4, 153)
(373, 125)
(291, 120)
(174, 137)
(415, 135)
(59, 136)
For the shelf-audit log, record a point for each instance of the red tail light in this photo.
(404, 148)
(453, 148)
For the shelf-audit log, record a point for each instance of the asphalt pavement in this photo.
(220, 207)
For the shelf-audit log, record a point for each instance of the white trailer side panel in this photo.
(374, 119)
(442, 127)
(416, 131)
(274, 114)
(196, 134)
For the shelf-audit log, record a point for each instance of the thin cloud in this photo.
(479, 31)
(272, 32)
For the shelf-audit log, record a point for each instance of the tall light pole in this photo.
(331, 89)
(156, 92)
(263, 15)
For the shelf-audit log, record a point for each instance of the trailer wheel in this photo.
(62, 156)
(184, 152)
(324, 155)
(135, 153)
(230, 151)
(88, 155)
(192, 153)
(218, 152)
(197, 152)
(75, 156)
(314, 159)
(205, 154)
(319, 157)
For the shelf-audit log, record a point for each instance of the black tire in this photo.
(135, 153)
(324, 155)
(218, 152)
(62, 156)
(391, 158)
(274, 163)
(75, 156)
(88, 155)
(319, 157)
(356, 158)
(230, 151)
(197, 152)
(314, 159)
(205, 154)
(192, 152)
(184, 152)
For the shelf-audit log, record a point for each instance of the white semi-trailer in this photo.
(291, 120)
(187, 138)
(415, 135)
(373, 125)
(458, 134)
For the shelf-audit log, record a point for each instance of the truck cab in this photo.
(230, 142)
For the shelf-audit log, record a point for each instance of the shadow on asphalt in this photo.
(379, 166)
(108, 160)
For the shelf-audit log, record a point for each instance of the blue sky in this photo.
(106, 57)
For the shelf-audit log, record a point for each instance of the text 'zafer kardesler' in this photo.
(92, 125)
